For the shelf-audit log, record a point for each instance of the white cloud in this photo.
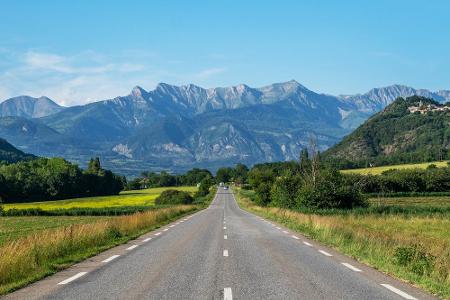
(208, 73)
(89, 76)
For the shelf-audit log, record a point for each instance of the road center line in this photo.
(398, 292)
(225, 253)
(110, 258)
(351, 267)
(225, 237)
(295, 237)
(74, 277)
(307, 244)
(224, 227)
(325, 253)
(227, 294)
(132, 247)
(146, 240)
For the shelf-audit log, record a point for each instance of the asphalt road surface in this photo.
(221, 252)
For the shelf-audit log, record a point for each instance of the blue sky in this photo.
(81, 51)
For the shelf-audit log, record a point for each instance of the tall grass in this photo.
(415, 248)
(30, 258)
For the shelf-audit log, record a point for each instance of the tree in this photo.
(224, 174)
(240, 173)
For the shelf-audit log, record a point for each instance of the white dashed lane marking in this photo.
(398, 292)
(110, 258)
(295, 237)
(74, 277)
(158, 233)
(325, 253)
(225, 237)
(132, 247)
(351, 267)
(227, 294)
(307, 244)
(225, 253)
(146, 240)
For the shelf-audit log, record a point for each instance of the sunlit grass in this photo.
(128, 198)
(379, 170)
(12, 228)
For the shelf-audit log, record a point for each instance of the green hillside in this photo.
(10, 154)
(410, 130)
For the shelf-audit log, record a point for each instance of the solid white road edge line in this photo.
(227, 294)
(351, 267)
(398, 292)
(325, 253)
(307, 244)
(132, 247)
(74, 277)
(110, 258)
(225, 253)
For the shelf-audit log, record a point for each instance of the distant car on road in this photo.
(225, 188)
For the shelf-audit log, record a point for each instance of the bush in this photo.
(263, 193)
(330, 191)
(285, 189)
(169, 197)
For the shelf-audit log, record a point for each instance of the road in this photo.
(221, 252)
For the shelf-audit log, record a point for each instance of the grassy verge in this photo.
(414, 248)
(35, 256)
(144, 197)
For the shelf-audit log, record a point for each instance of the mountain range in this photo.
(179, 127)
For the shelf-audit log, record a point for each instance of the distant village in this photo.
(425, 108)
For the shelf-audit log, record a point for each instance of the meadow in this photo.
(379, 170)
(145, 197)
(417, 201)
(412, 246)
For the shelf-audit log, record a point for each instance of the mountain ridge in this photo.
(177, 127)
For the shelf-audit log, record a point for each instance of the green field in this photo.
(12, 228)
(127, 198)
(421, 201)
(379, 170)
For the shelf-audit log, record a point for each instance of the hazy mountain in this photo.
(29, 107)
(397, 135)
(177, 127)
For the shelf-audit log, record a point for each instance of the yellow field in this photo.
(379, 170)
(127, 198)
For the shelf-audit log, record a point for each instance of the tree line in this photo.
(46, 179)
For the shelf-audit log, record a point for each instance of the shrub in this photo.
(330, 191)
(285, 189)
(174, 197)
(263, 193)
